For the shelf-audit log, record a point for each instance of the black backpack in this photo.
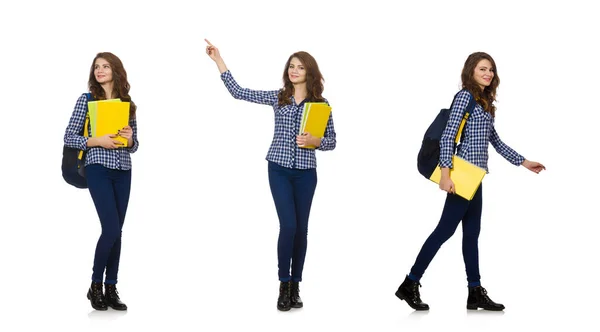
(73, 161)
(429, 154)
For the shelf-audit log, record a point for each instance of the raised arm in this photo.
(255, 96)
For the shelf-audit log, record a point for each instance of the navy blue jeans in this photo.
(109, 189)
(293, 191)
(455, 210)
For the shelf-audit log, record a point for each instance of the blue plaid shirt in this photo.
(283, 151)
(109, 158)
(478, 133)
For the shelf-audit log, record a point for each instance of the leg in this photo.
(471, 226)
(454, 211)
(102, 192)
(122, 188)
(283, 195)
(478, 297)
(304, 189)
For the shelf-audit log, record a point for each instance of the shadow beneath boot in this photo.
(417, 314)
(108, 315)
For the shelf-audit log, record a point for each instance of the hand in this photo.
(126, 132)
(307, 139)
(108, 142)
(447, 185)
(212, 51)
(533, 166)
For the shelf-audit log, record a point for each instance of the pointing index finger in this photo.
(206, 40)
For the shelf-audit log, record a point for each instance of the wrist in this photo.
(445, 173)
(316, 141)
(91, 142)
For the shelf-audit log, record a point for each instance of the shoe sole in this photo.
(284, 309)
(119, 309)
(470, 307)
(401, 297)
(298, 306)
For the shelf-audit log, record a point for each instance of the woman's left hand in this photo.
(127, 133)
(307, 139)
(533, 166)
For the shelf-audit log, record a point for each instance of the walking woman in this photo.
(108, 174)
(480, 81)
(291, 166)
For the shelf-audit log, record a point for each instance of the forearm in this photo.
(92, 142)
(504, 150)
(445, 172)
(221, 65)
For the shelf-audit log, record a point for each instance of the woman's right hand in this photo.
(212, 51)
(447, 185)
(107, 141)
(214, 54)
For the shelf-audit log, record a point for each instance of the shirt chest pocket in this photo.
(479, 124)
(286, 110)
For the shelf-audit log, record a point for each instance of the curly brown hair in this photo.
(486, 97)
(314, 80)
(120, 84)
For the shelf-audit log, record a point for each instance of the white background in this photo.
(199, 242)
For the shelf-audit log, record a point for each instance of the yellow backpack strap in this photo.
(460, 128)
(85, 133)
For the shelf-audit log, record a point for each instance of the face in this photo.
(296, 71)
(102, 71)
(484, 73)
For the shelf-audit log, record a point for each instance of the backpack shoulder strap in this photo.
(87, 116)
(468, 110)
(89, 98)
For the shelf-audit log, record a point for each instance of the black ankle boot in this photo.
(112, 298)
(96, 297)
(409, 292)
(295, 300)
(478, 299)
(284, 301)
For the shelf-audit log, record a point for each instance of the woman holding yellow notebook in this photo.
(292, 163)
(108, 173)
(480, 81)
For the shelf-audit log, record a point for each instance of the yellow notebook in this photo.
(108, 117)
(314, 120)
(466, 177)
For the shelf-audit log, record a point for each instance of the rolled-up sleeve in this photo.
(328, 142)
(133, 125)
